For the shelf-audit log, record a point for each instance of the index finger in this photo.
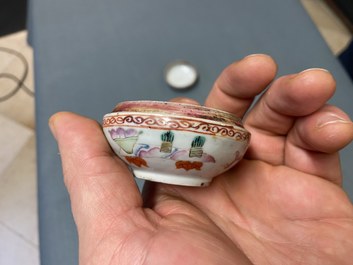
(239, 83)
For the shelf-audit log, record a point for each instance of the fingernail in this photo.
(331, 119)
(256, 54)
(51, 124)
(185, 100)
(314, 69)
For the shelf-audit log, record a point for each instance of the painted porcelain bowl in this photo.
(175, 143)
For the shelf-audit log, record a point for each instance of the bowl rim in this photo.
(176, 110)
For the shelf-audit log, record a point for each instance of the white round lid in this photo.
(180, 74)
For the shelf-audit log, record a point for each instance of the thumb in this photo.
(99, 184)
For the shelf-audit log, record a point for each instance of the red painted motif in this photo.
(188, 165)
(137, 161)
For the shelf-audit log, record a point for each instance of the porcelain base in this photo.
(172, 179)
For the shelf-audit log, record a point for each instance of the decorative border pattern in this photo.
(155, 122)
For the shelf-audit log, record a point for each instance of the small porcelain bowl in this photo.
(175, 143)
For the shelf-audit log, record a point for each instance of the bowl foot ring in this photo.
(172, 179)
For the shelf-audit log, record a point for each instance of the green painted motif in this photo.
(196, 146)
(167, 142)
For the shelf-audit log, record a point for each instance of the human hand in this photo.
(282, 204)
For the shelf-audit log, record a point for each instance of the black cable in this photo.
(19, 81)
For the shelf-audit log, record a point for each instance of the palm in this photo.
(282, 204)
(272, 217)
